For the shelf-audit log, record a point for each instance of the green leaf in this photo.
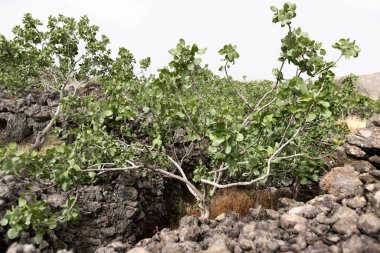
(274, 8)
(324, 104)
(197, 61)
(146, 109)
(108, 113)
(303, 181)
(228, 149)
(13, 233)
(326, 113)
(216, 139)
(239, 137)
(311, 117)
(4, 221)
(190, 66)
(157, 142)
(275, 72)
(212, 149)
(21, 202)
(52, 224)
(202, 51)
(38, 238)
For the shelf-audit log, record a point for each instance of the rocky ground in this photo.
(344, 218)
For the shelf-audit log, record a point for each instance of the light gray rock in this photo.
(353, 245)
(354, 151)
(369, 224)
(376, 202)
(356, 202)
(345, 227)
(22, 248)
(342, 182)
(138, 250)
(5, 191)
(292, 220)
(219, 246)
(55, 200)
(308, 211)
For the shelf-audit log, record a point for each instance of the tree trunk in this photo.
(205, 206)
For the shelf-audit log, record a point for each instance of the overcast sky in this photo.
(151, 27)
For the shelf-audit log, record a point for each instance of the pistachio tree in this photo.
(186, 123)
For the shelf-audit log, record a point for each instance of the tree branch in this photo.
(220, 186)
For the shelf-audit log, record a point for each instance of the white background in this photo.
(151, 27)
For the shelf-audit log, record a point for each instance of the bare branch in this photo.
(113, 169)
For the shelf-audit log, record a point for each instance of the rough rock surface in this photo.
(116, 211)
(21, 117)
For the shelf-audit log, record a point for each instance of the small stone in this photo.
(108, 232)
(24, 248)
(366, 133)
(376, 202)
(375, 173)
(288, 203)
(5, 192)
(345, 227)
(369, 224)
(323, 219)
(354, 151)
(362, 166)
(301, 241)
(291, 220)
(219, 246)
(353, 245)
(356, 202)
(138, 250)
(56, 200)
(272, 214)
(308, 211)
(345, 213)
(326, 202)
(221, 217)
(332, 239)
(366, 178)
(130, 193)
(334, 249)
(372, 187)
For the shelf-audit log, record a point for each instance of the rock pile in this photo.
(117, 209)
(344, 218)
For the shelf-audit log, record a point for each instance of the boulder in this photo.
(13, 127)
(342, 182)
(369, 223)
(354, 151)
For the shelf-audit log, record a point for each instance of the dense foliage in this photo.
(186, 123)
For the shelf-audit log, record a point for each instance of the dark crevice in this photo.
(3, 124)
